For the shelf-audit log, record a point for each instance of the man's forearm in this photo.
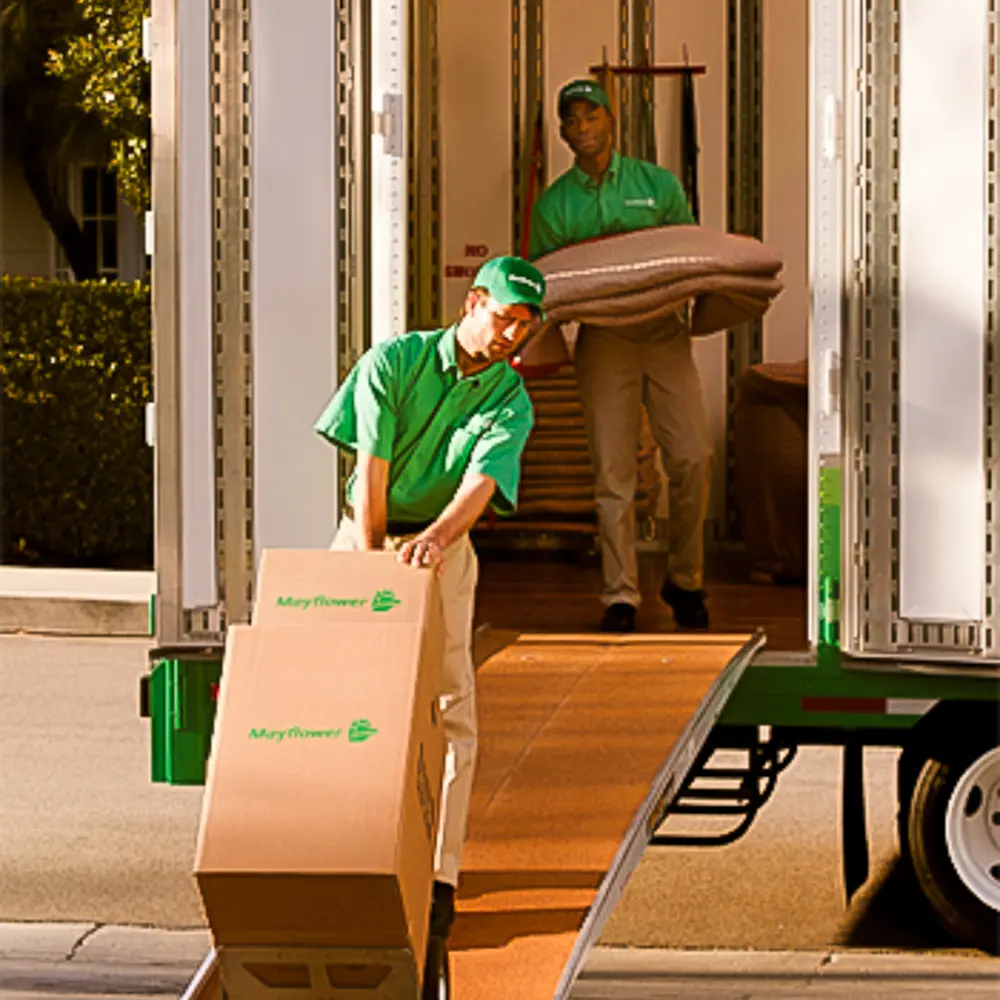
(371, 500)
(464, 511)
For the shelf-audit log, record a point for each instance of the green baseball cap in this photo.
(582, 90)
(512, 281)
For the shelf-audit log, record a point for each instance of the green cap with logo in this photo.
(582, 90)
(512, 281)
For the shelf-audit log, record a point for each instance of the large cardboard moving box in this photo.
(319, 823)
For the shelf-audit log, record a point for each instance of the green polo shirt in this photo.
(632, 194)
(407, 401)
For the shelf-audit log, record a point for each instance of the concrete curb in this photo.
(79, 960)
(658, 963)
(73, 617)
(104, 946)
(92, 602)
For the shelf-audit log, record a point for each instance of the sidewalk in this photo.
(90, 960)
(82, 602)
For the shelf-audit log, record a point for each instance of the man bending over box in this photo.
(438, 421)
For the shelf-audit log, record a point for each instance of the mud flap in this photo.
(854, 829)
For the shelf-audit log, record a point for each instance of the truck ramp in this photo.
(584, 741)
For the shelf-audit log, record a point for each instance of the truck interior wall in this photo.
(476, 136)
(476, 140)
(576, 35)
(194, 225)
(786, 172)
(702, 28)
(294, 286)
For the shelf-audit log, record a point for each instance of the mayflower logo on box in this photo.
(384, 600)
(360, 731)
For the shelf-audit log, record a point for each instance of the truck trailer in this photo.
(329, 173)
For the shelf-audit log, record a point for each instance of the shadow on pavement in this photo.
(892, 912)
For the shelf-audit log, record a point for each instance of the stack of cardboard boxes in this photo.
(319, 826)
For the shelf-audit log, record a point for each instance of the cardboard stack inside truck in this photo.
(316, 847)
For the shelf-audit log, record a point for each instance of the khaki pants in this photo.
(458, 696)
(618, 370)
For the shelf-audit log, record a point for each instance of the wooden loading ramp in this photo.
(584, 740)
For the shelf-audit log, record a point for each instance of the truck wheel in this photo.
(908, 767)
(437, 974)
(954, 840)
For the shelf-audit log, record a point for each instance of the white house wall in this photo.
(25, 243)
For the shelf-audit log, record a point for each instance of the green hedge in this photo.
(76, 475)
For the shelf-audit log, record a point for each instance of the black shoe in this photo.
(437, 977)
(618, 618)
(442, 910)
(688, 606)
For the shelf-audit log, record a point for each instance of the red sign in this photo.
(477, 250)
(460, 271)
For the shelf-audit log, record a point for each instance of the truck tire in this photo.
(908, 768)
(954, 839)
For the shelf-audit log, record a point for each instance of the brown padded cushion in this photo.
(647, 258)
(721, 301)
(641, 278)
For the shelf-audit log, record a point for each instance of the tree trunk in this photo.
(56, 211)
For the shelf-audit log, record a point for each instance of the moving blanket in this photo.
(720, 302)
(642, 277)
(650, 258)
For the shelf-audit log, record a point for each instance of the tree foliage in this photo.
(75, 378)
(103, 63)
(44, 126)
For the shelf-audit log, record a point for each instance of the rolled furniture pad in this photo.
(676, 292)
(646, 258)
(720, 302)
(642, 278)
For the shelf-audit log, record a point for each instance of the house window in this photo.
(93, 197)
(99, 217)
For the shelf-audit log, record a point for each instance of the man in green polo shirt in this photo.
(619, 369)
(438, 421)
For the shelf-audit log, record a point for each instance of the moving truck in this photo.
(329, 174)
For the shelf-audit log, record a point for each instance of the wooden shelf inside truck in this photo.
(584, 740)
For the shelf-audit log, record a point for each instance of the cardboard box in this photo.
(319, 823)
(338, 588)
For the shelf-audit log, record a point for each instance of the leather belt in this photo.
(395, 528)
